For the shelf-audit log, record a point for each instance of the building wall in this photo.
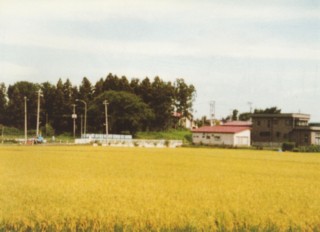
(301, 137)
(238, 139)
(279, 128)
(315, 137)
(276, 129)
(271, 129)
(243, 138)
(186, 123)
(212, 139)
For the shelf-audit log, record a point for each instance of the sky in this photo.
(266, 52)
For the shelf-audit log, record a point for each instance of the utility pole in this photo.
(38, 112)
(250, 104)
(46, 124)
(2, 132)
(231, 114)
(81, 123)
(212, 112)
(106, 114)
(85, 116)
(25, 120)
(74, 116)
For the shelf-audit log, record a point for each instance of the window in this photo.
(208, 136)
(265, 134)
(217, 138)
(258, 123)
(306, 138)
(301, 123)
(269, 123)
(278, 134)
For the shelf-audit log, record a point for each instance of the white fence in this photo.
(132, 143)
(115, 140)
(104, 136)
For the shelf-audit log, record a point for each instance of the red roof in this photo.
(238, 123)
(221, 129)
(176, 114)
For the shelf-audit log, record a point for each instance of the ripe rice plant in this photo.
(80, 188)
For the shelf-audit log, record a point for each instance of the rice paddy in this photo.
(84, 188)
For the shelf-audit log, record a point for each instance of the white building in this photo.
(185, 122)
(222, 135)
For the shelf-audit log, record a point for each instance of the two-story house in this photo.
(275, 129)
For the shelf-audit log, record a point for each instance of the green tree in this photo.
(86, 90)
(126, 112)
(15, 110)
(86, 94)
(98, 88)
(235, 115)
(124, 84)
(135, 85)
(3, 103)
(111, 83)
(145, 91)
(162, 99)
(62, 107)
(245, 116)
(184, 96)
(271, 110)
(70, 94)
(59, 119)
(49, 98)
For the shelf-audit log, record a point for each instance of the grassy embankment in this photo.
(10, 134)
(167, 135)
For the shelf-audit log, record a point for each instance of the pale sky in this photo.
(234, 51)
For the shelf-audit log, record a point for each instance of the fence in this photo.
(127, 141)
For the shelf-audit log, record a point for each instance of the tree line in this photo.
(237, 116)
(135, 105)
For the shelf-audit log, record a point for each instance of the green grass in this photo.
(168, 135)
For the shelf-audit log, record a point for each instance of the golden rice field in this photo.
(143, 189)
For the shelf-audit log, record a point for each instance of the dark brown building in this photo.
(275, 129)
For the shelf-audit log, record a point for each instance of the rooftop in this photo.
(221, 129)
(238, 123)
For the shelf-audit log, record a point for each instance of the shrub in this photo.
(288, 146)
(48, 130)
(311, 148)
(188, 137)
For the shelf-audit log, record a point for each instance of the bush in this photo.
(312, 148)
(188, 137)
(288, 146)
(47, 130)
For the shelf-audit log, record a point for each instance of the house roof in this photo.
(221, 129)
(176, 114)
(238, 123)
